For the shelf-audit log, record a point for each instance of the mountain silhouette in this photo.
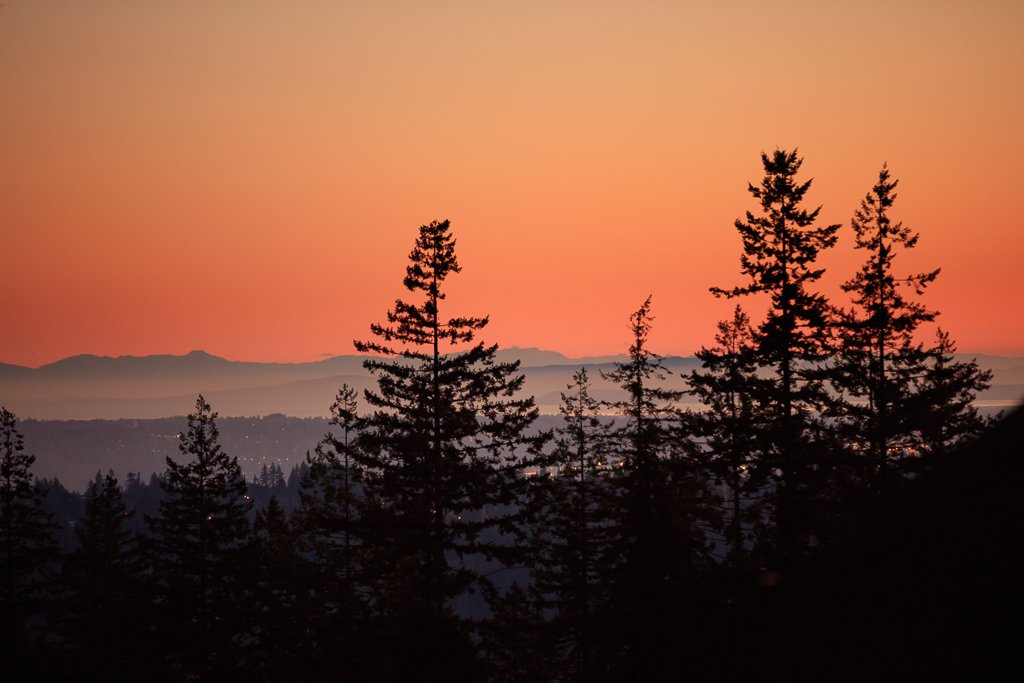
(88, 386)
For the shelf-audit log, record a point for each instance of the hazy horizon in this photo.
(162, 385)
(353, 354)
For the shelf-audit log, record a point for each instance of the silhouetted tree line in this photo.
(434, 536)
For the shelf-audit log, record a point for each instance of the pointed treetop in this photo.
(414, 325)
(640, 323)
(432, 259)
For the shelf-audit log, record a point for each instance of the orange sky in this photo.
(248, 177)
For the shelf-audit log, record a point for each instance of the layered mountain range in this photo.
(89, 413)
(100, 387)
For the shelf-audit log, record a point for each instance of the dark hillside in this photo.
(927, 586)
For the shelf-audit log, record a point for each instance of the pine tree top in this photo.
(641, 371)
(413, 329)
(781, 244)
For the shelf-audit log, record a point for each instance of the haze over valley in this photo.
(88, 413)
(88, 387)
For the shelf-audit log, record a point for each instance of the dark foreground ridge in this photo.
(925, 586)
(922, 585)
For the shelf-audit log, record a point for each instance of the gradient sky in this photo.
(248, 177)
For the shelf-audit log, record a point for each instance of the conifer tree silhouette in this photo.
(283, 639)
(199, 537)
(336, 450)
(780, 249)
(658, 501)
(27, 546)
(328, 524)
(329, 506)
(944, 402)
(901, 399)
(570, 532)
(108, 594)
(879, 361)
(438, 455)
(732, 430)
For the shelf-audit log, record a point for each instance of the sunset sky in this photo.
(248, 177)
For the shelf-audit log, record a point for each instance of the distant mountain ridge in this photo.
(102, 387)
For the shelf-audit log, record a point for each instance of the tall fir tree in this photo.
(107, 601)
(27, 549)
(570, 532)
(658, 500)
(880, 360)
(781, 246)
(731, 430)
(199, 536)
(283, 638)
(328, 523)
(438, 451)
(329, 497)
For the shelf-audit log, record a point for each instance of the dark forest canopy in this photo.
(829, 481)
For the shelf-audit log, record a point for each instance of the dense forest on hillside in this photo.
(436, 533)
